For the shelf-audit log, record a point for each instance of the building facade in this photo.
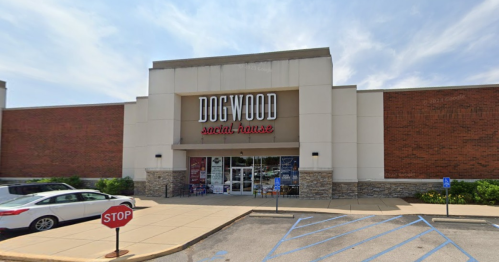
(230, 125)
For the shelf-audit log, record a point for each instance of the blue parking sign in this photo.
(277, 184)
(446, 182)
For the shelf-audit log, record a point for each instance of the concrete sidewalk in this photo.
(168, 225)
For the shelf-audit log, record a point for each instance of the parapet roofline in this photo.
(63, 106)
(240, 59)
(410, 89)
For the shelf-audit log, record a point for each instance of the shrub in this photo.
(462, 187)
(73, 181)
(101, 185)
(487, 192)
(482, 192)
(115, 186)
(437, 198)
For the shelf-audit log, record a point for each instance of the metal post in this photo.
(447, 200)
(277, 201)
(117, 242)
(166, 191)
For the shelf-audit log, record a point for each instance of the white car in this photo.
(43, 211)
(9, 192)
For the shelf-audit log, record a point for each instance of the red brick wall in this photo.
(437, 133)
(49, 142)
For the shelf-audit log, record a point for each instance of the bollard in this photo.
(166, 191)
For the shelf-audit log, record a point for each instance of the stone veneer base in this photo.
(345, 190)
(157, 180)
(381, 189)
(316, 184)
(394, 189)
(139, 188)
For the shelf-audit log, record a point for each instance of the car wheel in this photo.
(127, 204)
(43, 223)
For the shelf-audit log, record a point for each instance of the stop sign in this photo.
(117, 216)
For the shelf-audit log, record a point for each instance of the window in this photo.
(45, 202)
(15, 190)
(54, 187)
(24, 190)
(31, 189)
(69, 198)
(93, 196)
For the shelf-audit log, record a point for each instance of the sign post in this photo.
(277, 188)
(116, 217)
(447, 186)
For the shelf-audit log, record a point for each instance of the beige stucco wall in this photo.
(315, 81)
(165, 119)
(370, 136)
(344, 132)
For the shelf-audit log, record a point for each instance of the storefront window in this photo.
(214, 173)
(198, 174)
(226, 174)
(289, 170)
(266, 169)
(243, 161)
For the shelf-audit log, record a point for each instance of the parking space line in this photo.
(282, 239)
(448, 240)
(321, 221)
(425, 256)
(366, 240)
(331, 238)
(398, 245)
(317, 231)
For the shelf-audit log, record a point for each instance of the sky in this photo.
(61, 52)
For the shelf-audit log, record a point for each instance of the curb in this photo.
(271, 215)
(457, 220)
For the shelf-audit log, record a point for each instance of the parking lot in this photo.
(321, 237)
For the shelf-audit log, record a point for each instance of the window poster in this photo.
(218, 189)
(289, 170)
(217, 171)
(197, 166)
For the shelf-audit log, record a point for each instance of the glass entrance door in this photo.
(241, 181)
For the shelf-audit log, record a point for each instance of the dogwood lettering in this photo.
(214, 109)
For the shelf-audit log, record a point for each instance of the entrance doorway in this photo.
(241, 181)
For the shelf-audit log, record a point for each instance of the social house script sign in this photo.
(214, 109)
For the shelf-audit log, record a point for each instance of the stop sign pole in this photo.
(116, 217)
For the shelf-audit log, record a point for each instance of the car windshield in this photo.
(20, 201)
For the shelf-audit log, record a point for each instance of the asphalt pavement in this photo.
(333, 237)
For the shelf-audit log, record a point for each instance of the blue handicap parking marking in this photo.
(277, 184)
(446, 182)
(272, 254)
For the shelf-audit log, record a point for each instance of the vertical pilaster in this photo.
(315, 91)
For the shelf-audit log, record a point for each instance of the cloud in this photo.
(433, 41)
(354, 42)
(430, 42)
(489, 77)
(68, 47)
(72, 45)
(211, 28)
